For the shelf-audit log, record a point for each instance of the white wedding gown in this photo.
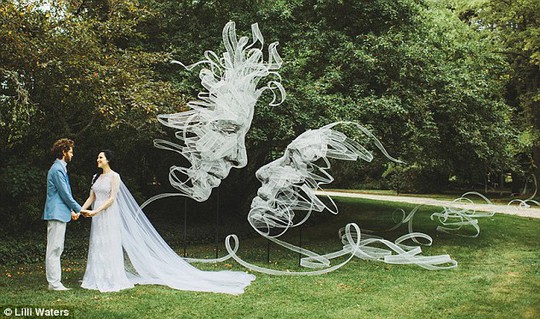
(125, 249)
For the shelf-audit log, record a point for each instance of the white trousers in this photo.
(56, 231)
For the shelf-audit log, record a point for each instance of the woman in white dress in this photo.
(125, 249)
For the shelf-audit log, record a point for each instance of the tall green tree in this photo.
(74, 70)
(516, 24)
(428, 85)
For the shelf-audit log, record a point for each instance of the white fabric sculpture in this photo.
(212, 133)
(288, 186)
(452, 219)
(212, 138)
(289, 183)
(526, 203)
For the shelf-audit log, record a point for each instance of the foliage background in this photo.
(449, 87)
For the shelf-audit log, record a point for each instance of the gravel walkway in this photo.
(532, 211)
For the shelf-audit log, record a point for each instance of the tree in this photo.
(68, 72)
(427, 84)
(406, 69)
(516, 24)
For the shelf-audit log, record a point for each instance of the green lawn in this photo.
(498, 277)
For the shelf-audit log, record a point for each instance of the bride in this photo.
(125, 249)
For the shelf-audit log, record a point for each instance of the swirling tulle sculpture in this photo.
(289, 183)
(211, 138)
(212, 132)
(288, 186)
(526, 203)
(452, 218)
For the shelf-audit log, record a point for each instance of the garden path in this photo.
(532, 211)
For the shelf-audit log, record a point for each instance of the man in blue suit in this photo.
(60, 208)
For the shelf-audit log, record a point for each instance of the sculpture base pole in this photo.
(300, 245)
(217, 223)
(185, 226)
(268, 250)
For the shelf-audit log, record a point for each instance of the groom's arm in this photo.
(63, 190)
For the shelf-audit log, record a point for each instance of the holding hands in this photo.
(84, 212)
(75, 216)
(88, 213)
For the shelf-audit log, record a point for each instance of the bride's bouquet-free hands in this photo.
(74, 215)
(88, 213)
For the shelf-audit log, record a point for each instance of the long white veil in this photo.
(150, 260)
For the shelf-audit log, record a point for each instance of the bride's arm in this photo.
(114, 190)
(89, 200)
(84, 210)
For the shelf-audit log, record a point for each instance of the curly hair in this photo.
(61, 146)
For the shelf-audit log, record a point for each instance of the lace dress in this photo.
(105, 267)
(125, 249)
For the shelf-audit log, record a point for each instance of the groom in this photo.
(60, 208)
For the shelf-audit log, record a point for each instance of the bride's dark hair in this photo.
(109, 155)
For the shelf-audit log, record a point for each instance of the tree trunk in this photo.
(536, 159)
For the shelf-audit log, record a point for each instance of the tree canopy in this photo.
(516, 25)
(429, 79)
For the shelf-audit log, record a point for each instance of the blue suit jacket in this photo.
(60, 202)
